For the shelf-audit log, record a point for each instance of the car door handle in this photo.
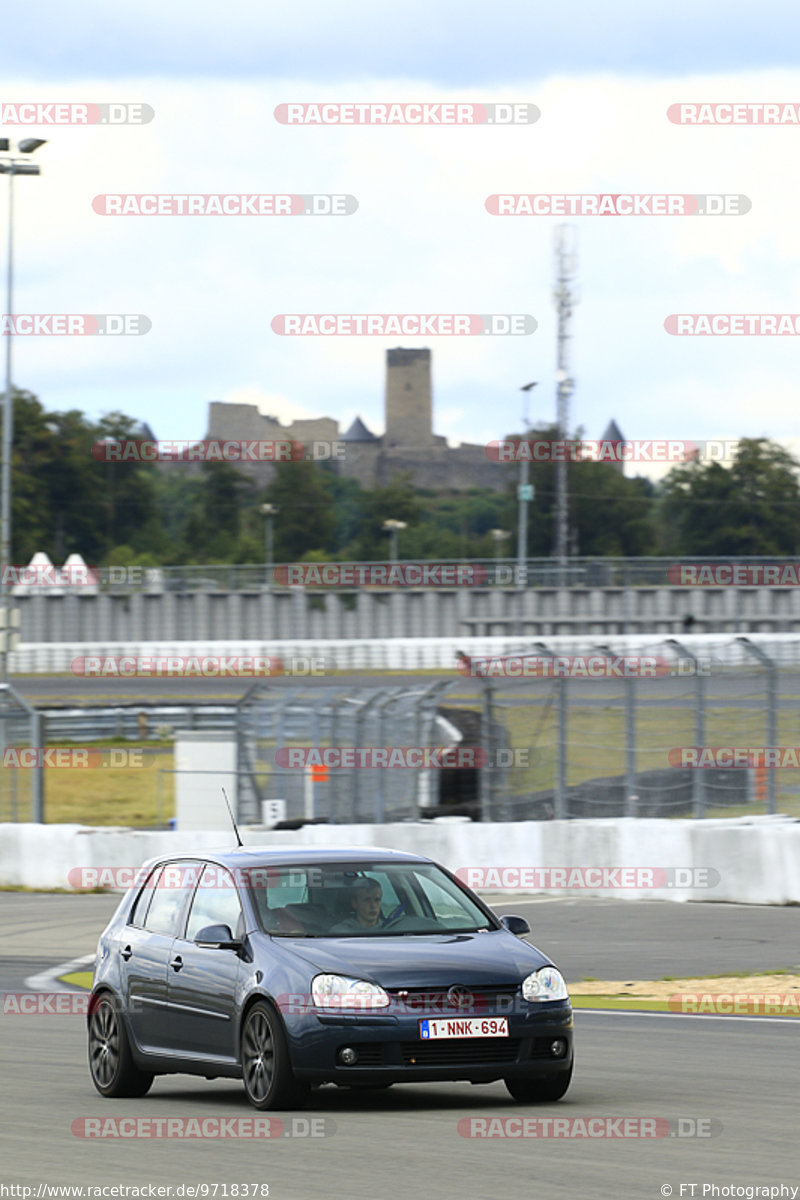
(176, 963)
(126, 953)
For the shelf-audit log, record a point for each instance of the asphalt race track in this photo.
(726, 688)
(733, 1078)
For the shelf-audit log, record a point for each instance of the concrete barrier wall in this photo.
(392, 653)
(751, 860)
(297, 613)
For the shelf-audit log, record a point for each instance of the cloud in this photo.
(421, 241)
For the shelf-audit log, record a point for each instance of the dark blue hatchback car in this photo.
(293, 968)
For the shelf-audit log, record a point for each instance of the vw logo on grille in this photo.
(459, 997)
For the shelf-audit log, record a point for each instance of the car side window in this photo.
(216, 902)
(142, 901)
(176, 882)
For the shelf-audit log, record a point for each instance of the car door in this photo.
(145, 950)
(202, 983)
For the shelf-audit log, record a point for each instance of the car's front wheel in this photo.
(111, 1064)
(539, 1091)
(266, 1067)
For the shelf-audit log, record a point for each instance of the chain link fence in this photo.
(21, 764)
(664, 733)
(682, 733)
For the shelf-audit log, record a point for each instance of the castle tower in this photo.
(614, 436)
(408, 406)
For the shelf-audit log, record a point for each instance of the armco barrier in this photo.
(757, 858)
(397, 653)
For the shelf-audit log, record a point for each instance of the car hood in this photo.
(496, 957)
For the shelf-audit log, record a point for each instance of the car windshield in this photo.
(380, 899)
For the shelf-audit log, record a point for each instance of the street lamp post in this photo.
(268, 511)
(9, 166)
(393, 527)
(498, 537)
(524, 497)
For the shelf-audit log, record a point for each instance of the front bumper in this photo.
(390, 1049)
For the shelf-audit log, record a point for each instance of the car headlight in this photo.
(340, 991)
(545, 984)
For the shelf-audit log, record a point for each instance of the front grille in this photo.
(459, 1053)
(490, 998)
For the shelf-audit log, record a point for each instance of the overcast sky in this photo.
(421, 240)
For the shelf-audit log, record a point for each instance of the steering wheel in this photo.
(394, 915)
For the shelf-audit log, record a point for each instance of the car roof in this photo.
(255, 856)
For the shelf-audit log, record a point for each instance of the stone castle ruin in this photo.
(408, 445)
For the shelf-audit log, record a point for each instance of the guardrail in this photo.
(134, 722)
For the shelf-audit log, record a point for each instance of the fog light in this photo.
(348, 1056)
(558, 1048)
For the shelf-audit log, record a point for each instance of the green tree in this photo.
(751, 508)
(302, 494)
(609, 514)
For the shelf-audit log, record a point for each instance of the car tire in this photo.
(111, 1065)
(269, 1082)
(539, 1091)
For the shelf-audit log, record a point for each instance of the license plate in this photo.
(465, 1027)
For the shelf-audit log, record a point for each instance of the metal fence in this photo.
(248, 577)
(21, 765)
(275, 731)
(558, 743)
(552, 746)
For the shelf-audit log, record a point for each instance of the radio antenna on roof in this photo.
(230, 814)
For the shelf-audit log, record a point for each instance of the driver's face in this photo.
(367, 904)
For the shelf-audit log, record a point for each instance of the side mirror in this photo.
(217, 936)
(516, 925)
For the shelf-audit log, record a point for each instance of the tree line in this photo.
(123, 513)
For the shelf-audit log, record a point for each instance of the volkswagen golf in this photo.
(293, 968)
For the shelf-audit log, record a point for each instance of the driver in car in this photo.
(367, 896)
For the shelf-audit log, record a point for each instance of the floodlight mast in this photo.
(566, 240)
(10, 166)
